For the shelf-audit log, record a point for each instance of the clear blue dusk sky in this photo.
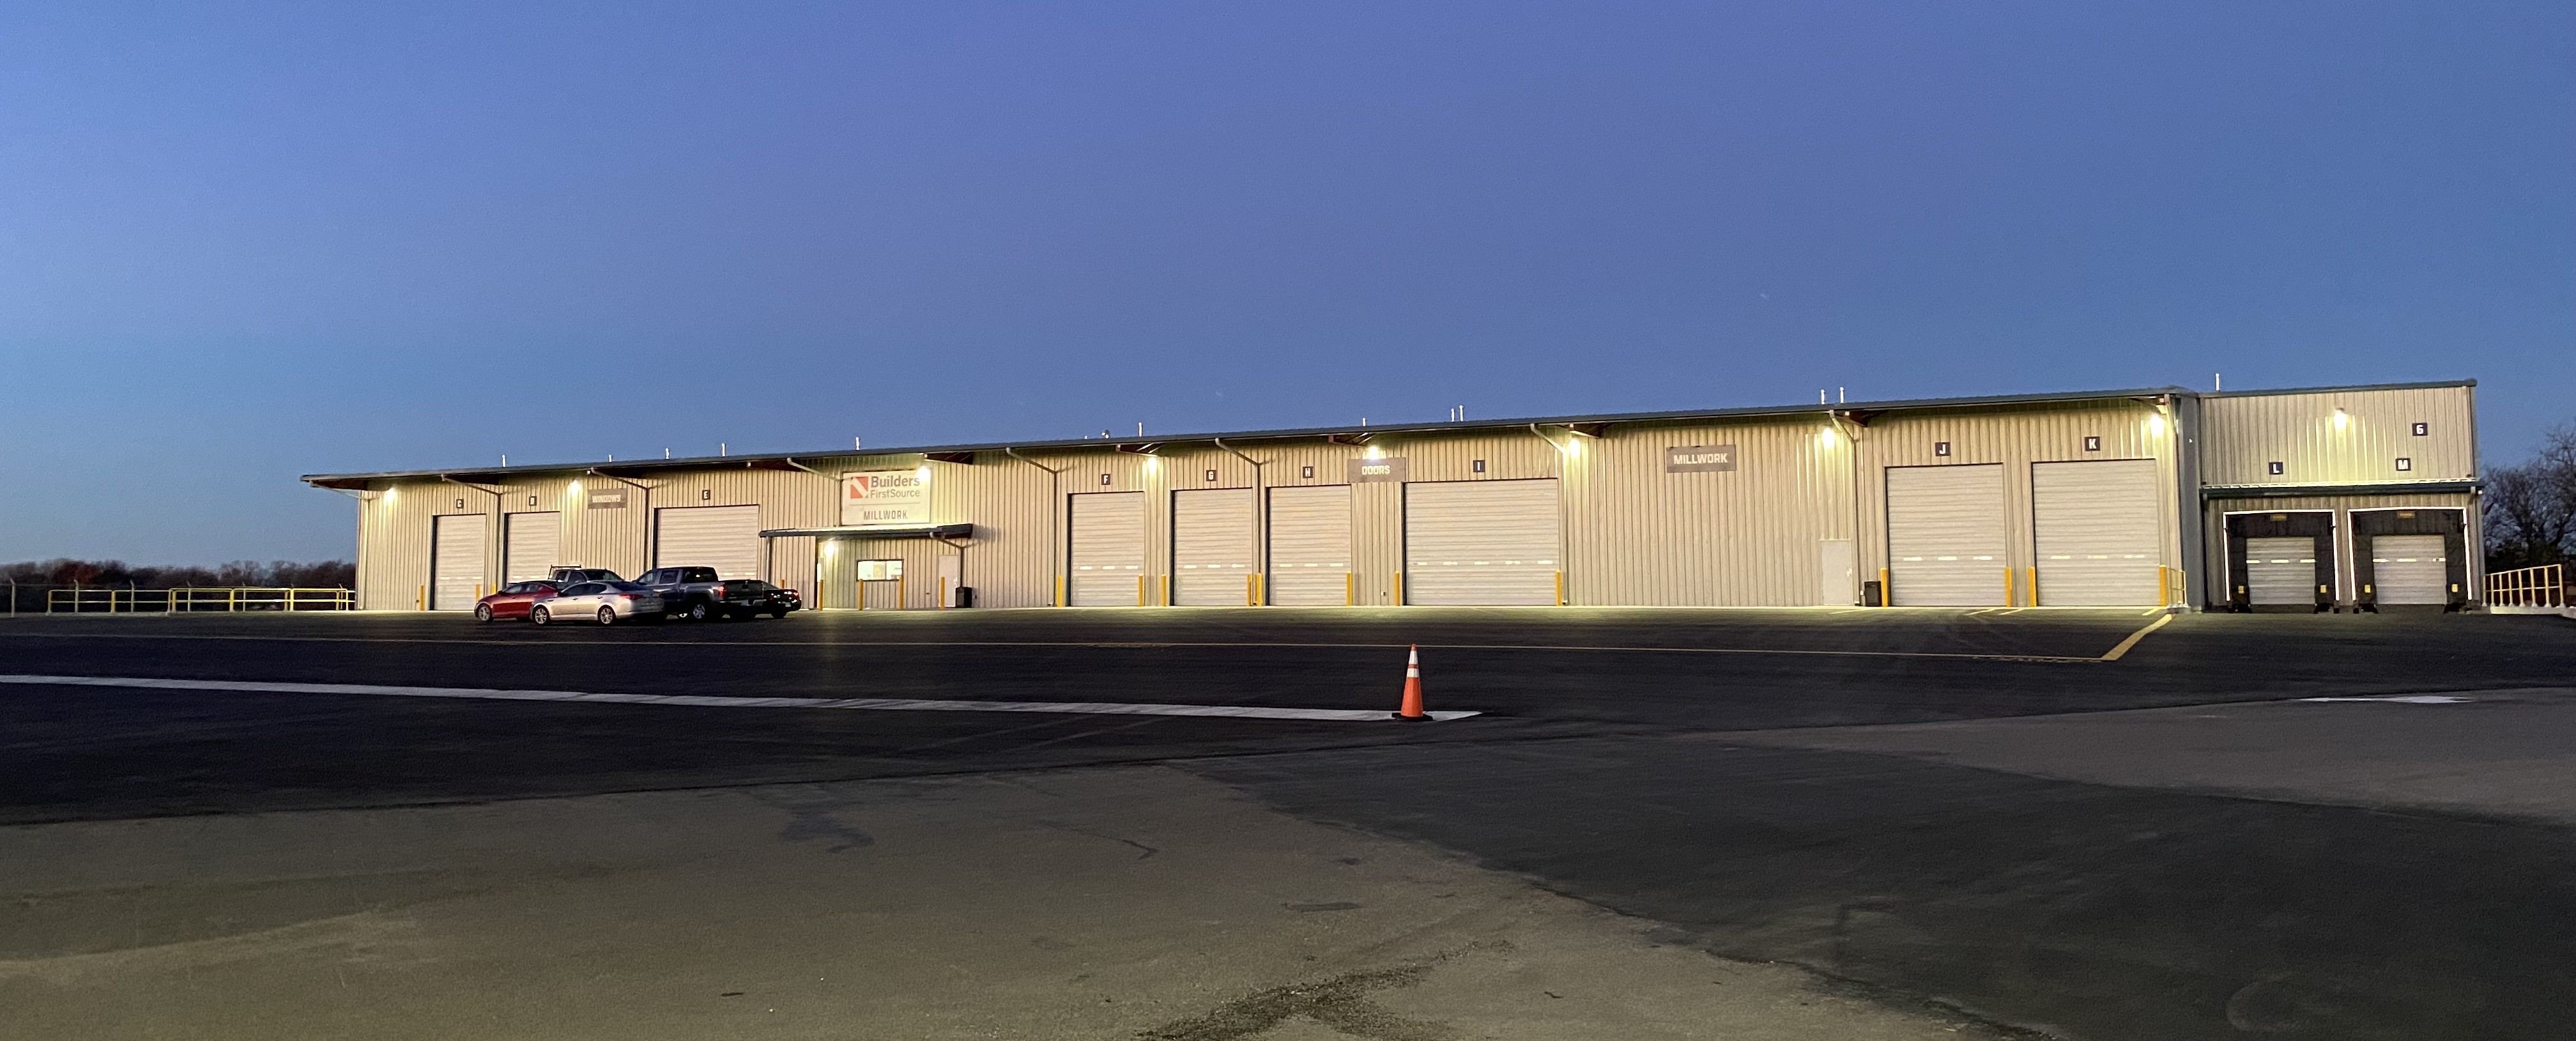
(241, 242)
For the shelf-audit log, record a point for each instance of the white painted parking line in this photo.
(2403, 699)
(705, 701)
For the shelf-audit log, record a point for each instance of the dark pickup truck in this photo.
(695, 593)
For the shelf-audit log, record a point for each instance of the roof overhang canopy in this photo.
(2302, 491)
(934, 531)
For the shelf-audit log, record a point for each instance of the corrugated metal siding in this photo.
(1634, 534)
(835, 586)
(2246, 434)
(2214, 529)
(1751, 536)
(2017, 438)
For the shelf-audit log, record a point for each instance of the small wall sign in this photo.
(1699, 459)
(1375, 471)
(607, 499)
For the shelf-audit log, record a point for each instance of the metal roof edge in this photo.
(2303, 491)
(1443, 426)
(2420, 385)
(914, 531)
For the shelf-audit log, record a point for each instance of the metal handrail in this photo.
(2543, 586)
(111, 600)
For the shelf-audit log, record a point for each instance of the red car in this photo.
(513, 601)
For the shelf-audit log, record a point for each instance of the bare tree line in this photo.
(66, 572)
(2531, 508)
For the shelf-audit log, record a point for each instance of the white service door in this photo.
(531, 544)
(1481, 542)
(1310, 546)
(2098, 531)
(457, 545)
(952, 573)
(1945, 535)
(2410, 569)
(1835, 573)
(726, 538)
(1107, 565)
(2281, 569)
(1212, 544)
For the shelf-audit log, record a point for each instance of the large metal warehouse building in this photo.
(2307, 499)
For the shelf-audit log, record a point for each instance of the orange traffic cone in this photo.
(1412, 707)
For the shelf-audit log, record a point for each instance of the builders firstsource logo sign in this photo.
(885, 497)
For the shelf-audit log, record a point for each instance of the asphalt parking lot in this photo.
(1981, 821)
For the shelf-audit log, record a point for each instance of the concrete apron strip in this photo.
(1126, 645)
(705, 701)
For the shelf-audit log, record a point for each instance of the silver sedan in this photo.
(608, 603)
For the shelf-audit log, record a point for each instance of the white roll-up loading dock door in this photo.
(1107, 559)
(1212, 547)
(2410, 569)
(2097, 533)
(1945, 535)
(531, 545)
(1310, 546)
(458, 547)
(2281, 569)
(726, 538)
(1481, 542)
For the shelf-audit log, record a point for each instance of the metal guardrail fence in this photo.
(111, 600)
(2543, 586)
